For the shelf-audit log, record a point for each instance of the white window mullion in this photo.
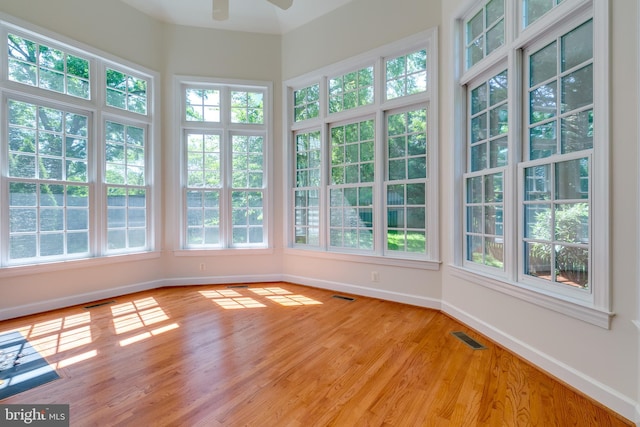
(379, 191)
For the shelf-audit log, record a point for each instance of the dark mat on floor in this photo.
(21, 366)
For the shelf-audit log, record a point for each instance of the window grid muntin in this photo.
(484, 215)
(353, 152)
(351, 90)
(131, 163)
(203, 217)
(247, 106)
(126, 218)
(484, 180)
(306, 104)
(127, 194)
(566, 19)
(406, 213)
(41, 213)
(351, 186)
(548, 200)
(76, 84)
(306, 192)
(351, 217)
(198, 106)
(380, 105)
(485, 22)
(125, 91)
(547, 5)
(398, 83)
(559, 116)
(73, 138)
(556, 154)
(203, 187)
(247, 196)
(229, 214)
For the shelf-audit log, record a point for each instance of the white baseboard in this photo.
(591, 387)
(54, 304)
(365, 291)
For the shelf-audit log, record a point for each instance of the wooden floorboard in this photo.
(278, 354)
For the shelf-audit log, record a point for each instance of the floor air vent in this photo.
(237, 286)
(344, 297)
(99, 304)
(468, 340)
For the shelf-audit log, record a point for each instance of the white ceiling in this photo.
(258, 16)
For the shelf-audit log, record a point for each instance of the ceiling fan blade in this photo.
(282, 4)
(220, 10)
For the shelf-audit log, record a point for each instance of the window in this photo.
(125, 158)
(534, 9)
(60, 132)
(47, 67)
(306, 103)
(48, 183)
(364, 163)
(487, 158)
(534, 197)
(224, 151)
(126, 92)
(351, 90)
(484, 32)
(406, 185)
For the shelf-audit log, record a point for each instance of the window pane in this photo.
(577, 46)
(543, 64)
(534, 9)
(543, 103)
(495, 37)
(347, 163)
(484, 32)
(572, 179)
(41, 215)
(406, 75)
(306, 103)
(351, 90)
(543, 140)
(538, 183)
(577, 89)
(126, 92)
(247, 107)
(577, 132)
(202, 105)
(573, 265)
(49, 68)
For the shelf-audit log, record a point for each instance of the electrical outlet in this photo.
(375, 276)
(203, 267)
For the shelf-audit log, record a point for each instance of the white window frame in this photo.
(595, 307)
(98, 112)
(378, 110)
(227, 130)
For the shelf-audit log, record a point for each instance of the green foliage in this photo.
(571, 262)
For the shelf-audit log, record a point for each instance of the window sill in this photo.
(26, 269)
(366, 259)
(587, 313)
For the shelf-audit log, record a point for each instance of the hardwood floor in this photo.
(278, 354)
